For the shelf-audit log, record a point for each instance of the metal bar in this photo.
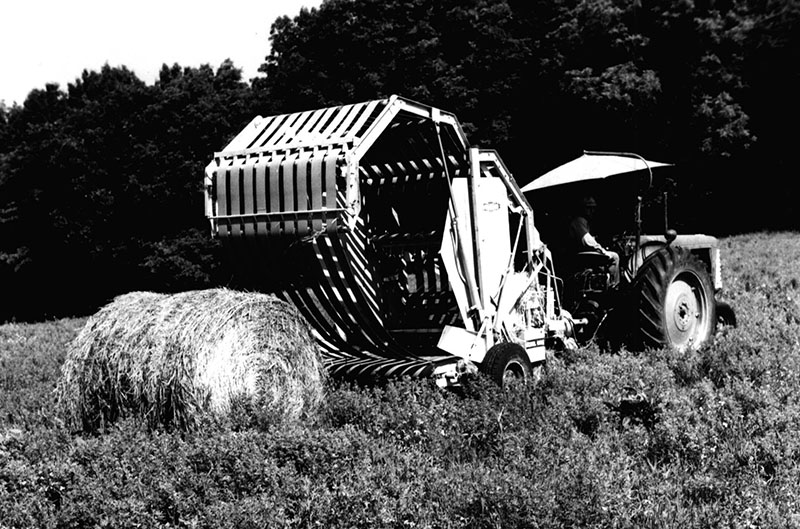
(318, 320)
(638, 243)
(317, 130)
(363, 117)
(361, 272)
(287, 179)
(344, 125)
(341, 114)
(302, 199)
(221, 199)
(249, 196)
(233, 181)
(312, 122)
(334, 305)
(277, 214)
(274, 192)
(330, 198)
(377, 127)
(289, 127)
(280, 122)
(359, 285)
(260, 176)
(266, 131)
(629, 155)
(474, 173)
(352, 303)
(247, 133)
(328, 291)
(460, 254)
(316, 190)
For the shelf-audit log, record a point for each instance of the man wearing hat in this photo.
(581, 239)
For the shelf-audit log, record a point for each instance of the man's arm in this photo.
(591, 243)
(579, 230)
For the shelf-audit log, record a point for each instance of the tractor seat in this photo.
(591, 259)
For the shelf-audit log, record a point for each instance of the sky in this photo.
(45, 41)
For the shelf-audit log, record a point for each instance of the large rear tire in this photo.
(675, 300)
(508, 364)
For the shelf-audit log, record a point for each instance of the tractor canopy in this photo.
(592, 166)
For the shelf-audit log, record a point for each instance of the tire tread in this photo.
(650, 286)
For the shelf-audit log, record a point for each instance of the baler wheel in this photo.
(508, 364)
(675, 300)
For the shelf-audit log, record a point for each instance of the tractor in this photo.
(664, 294)
(408, 251)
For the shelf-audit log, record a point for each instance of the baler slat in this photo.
(221, 201)
(248, 190)
(351, 302)
(312, 123)
(361, 272)
(328, 300)
(287, 184)
(233, 177)
(369, 326)
(367, 350)
(301, 193)
(344, 124)
(329, 201)
(279, 205)
(286, 133)
(359, 269)
(338, 118)
(261, 177)
(366, 115)
(267, 129)
(308, 305)
(316, 190)
(323, 121)
(274, 169)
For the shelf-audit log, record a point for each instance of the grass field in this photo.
(660, 439)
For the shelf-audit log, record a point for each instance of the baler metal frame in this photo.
(312, 202)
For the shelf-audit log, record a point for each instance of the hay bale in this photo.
(172, 358)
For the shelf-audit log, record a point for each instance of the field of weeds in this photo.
(658, 439)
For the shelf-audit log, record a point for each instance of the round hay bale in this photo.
(171, 358)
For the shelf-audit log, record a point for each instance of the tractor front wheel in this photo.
(675, 300)
(508, 364)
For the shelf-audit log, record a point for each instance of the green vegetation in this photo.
(658, 439)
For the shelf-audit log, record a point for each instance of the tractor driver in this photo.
(581, 239)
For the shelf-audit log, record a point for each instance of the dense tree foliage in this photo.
(100, 185)
(707, 85)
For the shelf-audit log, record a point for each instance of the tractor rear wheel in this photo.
(675, 300)
(508, 364)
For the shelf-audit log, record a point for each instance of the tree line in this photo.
(101, 182)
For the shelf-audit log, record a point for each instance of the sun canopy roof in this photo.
(592, 166)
